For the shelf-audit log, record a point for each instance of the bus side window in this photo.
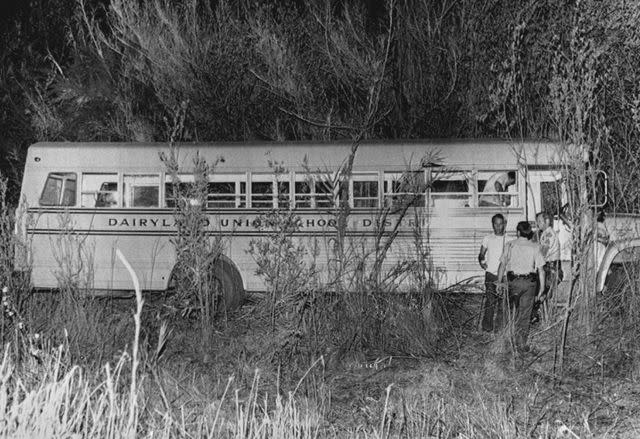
(99, 190)
(403, 188)
(364, 190)
(303, 194)
(222, 195)
(59, 189)
(183, 188)
(262, 194)
(175, 191)
(313, 191)
(450, 189)
(284, 191)
(141, 190)
(489, 183)
(324, 192)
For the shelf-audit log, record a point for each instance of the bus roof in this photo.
(241, 156)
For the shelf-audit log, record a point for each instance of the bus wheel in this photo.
(229, 285)
(224, 280)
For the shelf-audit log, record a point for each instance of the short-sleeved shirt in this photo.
(565, 239)
(550, 245)
(495, 246)
(522, 256)
(490, 186)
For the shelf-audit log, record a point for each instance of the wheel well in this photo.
(616, 256)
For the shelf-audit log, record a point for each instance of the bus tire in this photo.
(616, 279)
(230, 283)
(226, 278)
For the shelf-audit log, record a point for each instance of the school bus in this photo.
(117, 196)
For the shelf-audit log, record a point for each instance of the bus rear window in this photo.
(59, 189)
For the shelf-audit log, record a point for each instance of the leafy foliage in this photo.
(98, 70)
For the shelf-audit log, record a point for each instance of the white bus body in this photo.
(114, 195)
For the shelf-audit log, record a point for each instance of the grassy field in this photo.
(65, 376)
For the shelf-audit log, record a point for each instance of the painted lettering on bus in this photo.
(368, 222)
(255, 223)
(139, 222)
(144, 222)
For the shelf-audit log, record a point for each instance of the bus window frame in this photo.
(237, 178)
(159, 204)
(391, 177)
(257, 178)
(307, 197)
(62, 190)
(313, 181)
(283, 178)
(514, 194)
(534, 178)
(471, 193)
(184, 178)
(365, 177)
(119, 193)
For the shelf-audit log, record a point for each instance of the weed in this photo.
(194, 279)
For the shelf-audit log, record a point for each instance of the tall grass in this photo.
(53, 399)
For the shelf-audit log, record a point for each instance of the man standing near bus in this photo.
(550, 249)
(489, 259)
(523, 264)
(498, 182)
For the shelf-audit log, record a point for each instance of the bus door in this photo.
(545, 192)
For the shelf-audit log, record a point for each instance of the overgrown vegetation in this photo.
(194, 288)
(113, 70)
(352, 360)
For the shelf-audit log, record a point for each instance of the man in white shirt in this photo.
(489, 259)
(498, 182)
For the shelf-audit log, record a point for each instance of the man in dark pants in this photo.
(550, 249)
(489, 259)
(523, 264)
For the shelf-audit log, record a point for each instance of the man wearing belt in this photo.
(489, 259)
(550, 249)
(523, 264)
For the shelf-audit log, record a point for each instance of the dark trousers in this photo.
(522, 293)
(553, 276)
(492, 311)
